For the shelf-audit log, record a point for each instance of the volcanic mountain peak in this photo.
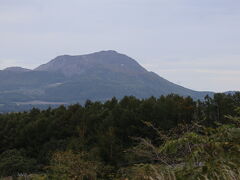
(98, 76)
(99, 61)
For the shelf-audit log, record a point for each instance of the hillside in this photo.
(97, 76)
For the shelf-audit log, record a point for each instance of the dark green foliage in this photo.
(13, 162)
(105, 131)
(200, 153)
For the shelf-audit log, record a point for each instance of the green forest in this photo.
(165, 138)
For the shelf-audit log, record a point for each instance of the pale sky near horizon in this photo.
(194, 43)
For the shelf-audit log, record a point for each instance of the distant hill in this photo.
(98, 76)
(16, 69)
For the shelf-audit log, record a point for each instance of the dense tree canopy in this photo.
(103, 132)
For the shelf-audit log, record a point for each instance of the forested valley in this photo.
(170, 137)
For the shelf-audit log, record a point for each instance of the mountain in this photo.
(16, 69)
(97, 76)
(104, 61)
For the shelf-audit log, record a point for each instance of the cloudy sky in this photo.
(195, 43)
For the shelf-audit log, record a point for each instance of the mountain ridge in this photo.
(78, 64)
(97, 76)
(16, 69)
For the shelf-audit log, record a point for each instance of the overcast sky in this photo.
(194, 43)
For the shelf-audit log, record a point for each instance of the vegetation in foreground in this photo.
(166, 138)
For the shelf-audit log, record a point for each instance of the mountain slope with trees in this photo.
(71, 79)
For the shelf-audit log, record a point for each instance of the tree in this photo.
(69, 166)
(202, 153)
(12, 162)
